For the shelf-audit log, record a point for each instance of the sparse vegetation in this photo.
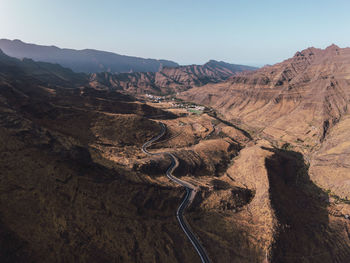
(287, 146)
(337, 198)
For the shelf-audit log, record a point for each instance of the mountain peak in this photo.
(212, 61)
(333, 47)
(310, 51)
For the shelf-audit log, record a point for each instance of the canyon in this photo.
(268, 150)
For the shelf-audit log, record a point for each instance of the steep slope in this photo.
(169, 80)
(87, 60)
(296, 100)
(330, 165)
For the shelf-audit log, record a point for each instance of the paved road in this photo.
(191, 191)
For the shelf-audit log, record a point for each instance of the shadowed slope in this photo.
(305, 233)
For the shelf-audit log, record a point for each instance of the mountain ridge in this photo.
(168, 80)
(85, 60)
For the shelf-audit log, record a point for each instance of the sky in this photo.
(251, 32)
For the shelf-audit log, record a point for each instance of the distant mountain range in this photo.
(95, 61)
(52, 74)
(167, 80)
(87, 60)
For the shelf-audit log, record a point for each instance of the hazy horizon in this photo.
(240, 32)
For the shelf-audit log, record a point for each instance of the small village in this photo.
(175, 103)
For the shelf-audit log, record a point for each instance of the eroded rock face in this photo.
(330, 166)
(298, 102)
(299, 99)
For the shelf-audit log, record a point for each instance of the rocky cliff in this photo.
(297, 100)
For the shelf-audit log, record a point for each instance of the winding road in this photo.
(191, 191)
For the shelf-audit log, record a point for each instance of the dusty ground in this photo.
(75, 185)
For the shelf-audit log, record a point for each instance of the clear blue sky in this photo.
(187, 31)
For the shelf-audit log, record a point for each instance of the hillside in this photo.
(169, 80)
(75, 185)
(299, 101)
(87, 60)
